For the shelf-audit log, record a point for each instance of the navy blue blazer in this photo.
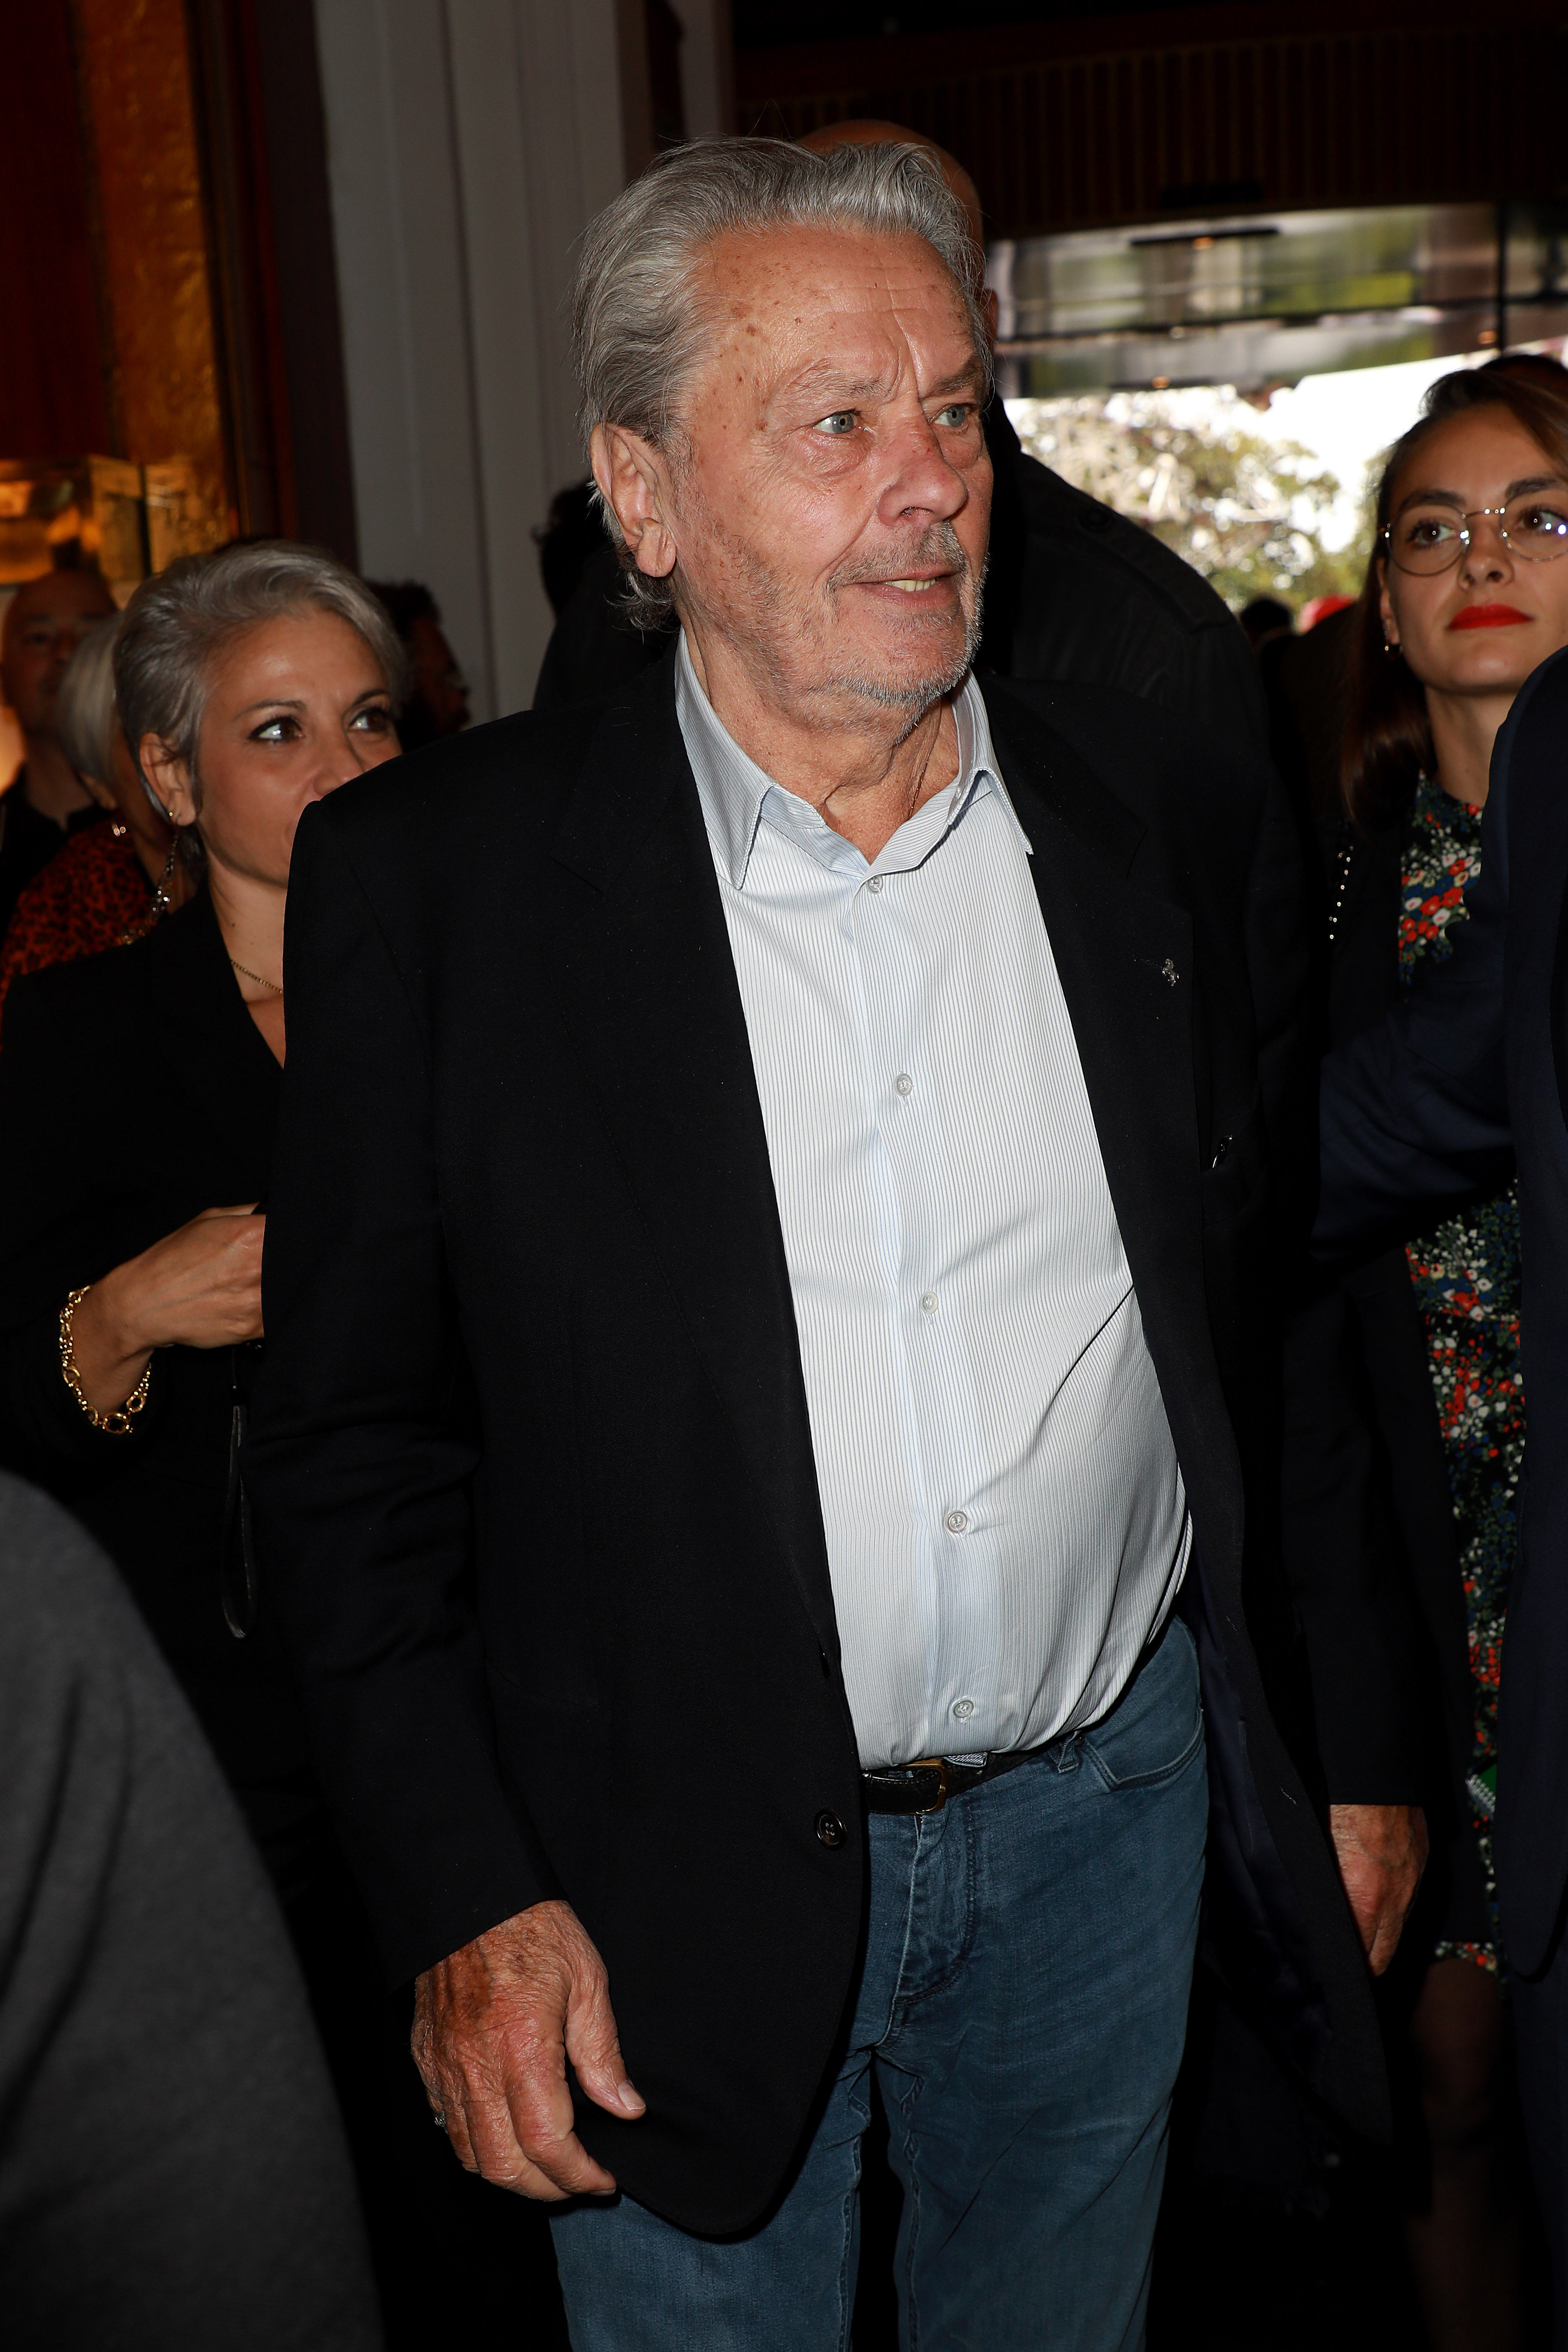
(1431, 1105)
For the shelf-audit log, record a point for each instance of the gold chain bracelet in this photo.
(122, 1422)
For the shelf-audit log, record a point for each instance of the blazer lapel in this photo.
(646, 980)
(1125, 957)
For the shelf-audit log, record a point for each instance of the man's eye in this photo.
(956, 415)
(837, 423)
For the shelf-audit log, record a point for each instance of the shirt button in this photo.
(956, 1522)
(903, 1084)
(929, 1302)
(962, 1709)
(875, 885)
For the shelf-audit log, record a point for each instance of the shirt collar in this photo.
(738, 796)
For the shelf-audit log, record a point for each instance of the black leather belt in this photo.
(926, 1786)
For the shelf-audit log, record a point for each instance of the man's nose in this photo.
(921, 479)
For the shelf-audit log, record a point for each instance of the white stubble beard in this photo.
(799, 623)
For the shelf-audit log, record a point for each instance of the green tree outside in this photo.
(1244, 511)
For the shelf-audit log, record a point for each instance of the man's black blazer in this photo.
(1429, 1105)
(530, 1455)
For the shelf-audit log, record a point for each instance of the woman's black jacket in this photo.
(135, 1091)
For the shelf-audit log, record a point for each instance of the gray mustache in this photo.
(939, 543)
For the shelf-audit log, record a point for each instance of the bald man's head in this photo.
(870, 133)
(45, 621)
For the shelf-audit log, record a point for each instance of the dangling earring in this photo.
(161, 899)
(162, 902)
(1391, 649)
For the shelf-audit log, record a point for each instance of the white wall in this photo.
(469, 143)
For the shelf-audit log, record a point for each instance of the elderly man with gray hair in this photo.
(771, 1390)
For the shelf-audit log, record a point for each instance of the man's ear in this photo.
(170, 779)
(635, 485)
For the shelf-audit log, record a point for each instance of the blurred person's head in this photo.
(1467, 589)
(45, 621)
(436, 703)
(87, 729)
(567, 540)
(250, 683)
(1264, 618)
(782, 362)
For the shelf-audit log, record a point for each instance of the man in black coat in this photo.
(770, 1298)
(1075, 592)
(1471, 1072)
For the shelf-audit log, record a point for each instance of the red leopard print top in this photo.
(85, 899)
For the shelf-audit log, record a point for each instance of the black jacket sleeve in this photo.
(54, 1236)
(1340, 1553)
(363, 1438)
(1344, 1563)
(1414, 1112)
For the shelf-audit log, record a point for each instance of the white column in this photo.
(469, 143)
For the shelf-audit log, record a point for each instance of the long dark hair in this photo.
(1388, 739)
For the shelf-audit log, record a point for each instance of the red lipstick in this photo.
(1489, 616)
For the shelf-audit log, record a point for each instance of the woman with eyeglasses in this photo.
(1465, 594)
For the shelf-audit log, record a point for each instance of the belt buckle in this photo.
(937, 1764)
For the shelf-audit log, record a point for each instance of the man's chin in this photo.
(903, 677)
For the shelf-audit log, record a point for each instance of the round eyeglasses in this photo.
(1432, 537)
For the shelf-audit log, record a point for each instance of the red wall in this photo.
(54, 401)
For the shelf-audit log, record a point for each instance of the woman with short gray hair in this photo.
(138, 1094)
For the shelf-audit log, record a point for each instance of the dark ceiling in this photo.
(773, 23)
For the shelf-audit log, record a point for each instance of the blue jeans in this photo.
(1023, 2000)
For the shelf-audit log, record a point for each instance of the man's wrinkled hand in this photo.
(1380, 1851)
(493, 2026)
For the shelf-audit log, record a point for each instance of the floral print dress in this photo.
(1467, 1277)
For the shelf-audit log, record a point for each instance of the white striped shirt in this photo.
(1006, 1521)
